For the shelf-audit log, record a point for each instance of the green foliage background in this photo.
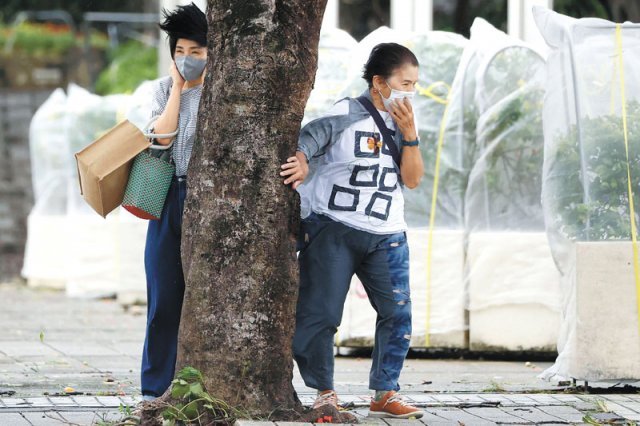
(587, 178)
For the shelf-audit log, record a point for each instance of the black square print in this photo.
(381, 203)
(344, 199)
(365, 176)
(389, 176)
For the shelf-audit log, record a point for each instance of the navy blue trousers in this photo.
(165, 291)
(330, 253)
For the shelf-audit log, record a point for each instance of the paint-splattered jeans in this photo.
(330, 253)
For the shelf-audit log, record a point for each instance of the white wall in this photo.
(412, 15)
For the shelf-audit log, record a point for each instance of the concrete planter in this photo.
(514, 292)
(600, 338)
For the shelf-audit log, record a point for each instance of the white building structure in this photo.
(407, 15)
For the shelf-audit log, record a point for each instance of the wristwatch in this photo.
(415, 142)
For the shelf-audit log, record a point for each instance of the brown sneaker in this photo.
(328, 397)
(392, 405)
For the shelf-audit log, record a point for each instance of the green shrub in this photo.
(130, 64)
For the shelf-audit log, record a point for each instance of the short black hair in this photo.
(385, 58)
(185, 22)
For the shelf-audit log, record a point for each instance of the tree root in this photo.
(150, 414)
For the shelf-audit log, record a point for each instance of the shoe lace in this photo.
(326, 399)
(396, 397)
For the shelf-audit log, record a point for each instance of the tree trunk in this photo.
(239, 222)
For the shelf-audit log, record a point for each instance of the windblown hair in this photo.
(185, 22)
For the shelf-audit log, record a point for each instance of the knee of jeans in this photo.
(402, 311)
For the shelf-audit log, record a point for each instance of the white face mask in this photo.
(395, 94)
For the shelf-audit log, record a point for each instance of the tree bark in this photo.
(238, 244)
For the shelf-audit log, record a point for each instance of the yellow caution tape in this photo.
(634, 241)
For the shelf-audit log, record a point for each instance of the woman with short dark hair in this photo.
(175, 103)
(350, 169)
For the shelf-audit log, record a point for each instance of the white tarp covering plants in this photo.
(334, 57)
(591, 175)
(513, 284)
(68, 245)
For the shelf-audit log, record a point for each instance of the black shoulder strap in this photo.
(386, 133)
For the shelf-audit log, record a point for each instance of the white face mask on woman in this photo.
(395, 94)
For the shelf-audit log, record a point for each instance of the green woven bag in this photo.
(149, 180)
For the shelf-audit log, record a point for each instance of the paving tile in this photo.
(109, 401)
(19, 348)
(86, 401)
(495, 415)
(633, 405)
(616, 398)
(14, 402)
(13, 419)
(532, 414)
(566, 413)
(421, 398)
(456, 415)
(130, 400)
(520, 399)
(251, 423)
(564, 398)
(620, 410)
(473, 398)
(544, 399)
(633, 417)
(79, 417)
(444, 398)
(39, 402)
(82, 348)
(401, 422)
(63, 401)
(293, 424)
(366, 420)
(433, 420)
(44, 418)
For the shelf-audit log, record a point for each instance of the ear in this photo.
(378, 82)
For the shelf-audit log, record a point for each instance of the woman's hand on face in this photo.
(402, 114)
(295, 169)
(178, 81)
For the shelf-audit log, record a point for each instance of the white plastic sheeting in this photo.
(592, 85)
(489, 256)
(334, 57)
(68, 245)
(508, 258)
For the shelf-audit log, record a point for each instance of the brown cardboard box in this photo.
(104, 166)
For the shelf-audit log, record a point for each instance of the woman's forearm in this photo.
(412, 167)
(168, 120)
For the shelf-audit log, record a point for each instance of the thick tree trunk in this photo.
(239, 221)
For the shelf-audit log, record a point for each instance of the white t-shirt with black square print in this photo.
(355, 183)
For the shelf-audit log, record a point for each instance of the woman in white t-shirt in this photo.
(350, 170)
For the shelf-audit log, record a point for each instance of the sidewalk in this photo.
(49, 342)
